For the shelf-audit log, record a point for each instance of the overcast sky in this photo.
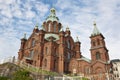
(20, 16)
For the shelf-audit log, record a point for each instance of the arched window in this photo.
(38, 57)
(45, 62)
(93, 43)
(31, 54)
(33, 42)
(68, 44)
(55, 51)
(49, 27)
(68, 56)
(98, 56)
(98, 41)
(55, 65)
(54, 27)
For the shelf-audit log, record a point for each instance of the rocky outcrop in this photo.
(8, 69)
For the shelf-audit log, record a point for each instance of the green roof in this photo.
(95, 30)
(77, 39)
(52, 16)
(51, 35)
(24, 37)
(85, 59)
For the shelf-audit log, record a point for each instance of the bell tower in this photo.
(20, 53)
(98, 47)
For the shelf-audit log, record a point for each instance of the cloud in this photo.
(17, 17)
(80, 19)
(9, 43)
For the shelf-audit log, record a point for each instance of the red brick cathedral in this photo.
(54, 49)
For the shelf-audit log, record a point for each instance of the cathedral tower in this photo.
(100, 64)
(50, 48)
(98, 47)
(20, 53)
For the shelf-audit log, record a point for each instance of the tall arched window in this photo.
(45, 62)
(68, 56)
(93, 43)
(59, 26)
(31, 54)
(55, 51)
(98, 41)
(54, 27)
(68, 44)
(33, 42)
(98, 56)
(49, 27)
(55, 65)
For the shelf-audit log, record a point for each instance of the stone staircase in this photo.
(36, 70)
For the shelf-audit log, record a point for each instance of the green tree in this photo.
(3, 78)
(21, 75)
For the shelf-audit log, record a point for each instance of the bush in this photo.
(3, 78)
(21, 75)
(84, 79)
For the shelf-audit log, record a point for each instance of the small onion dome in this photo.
(67, 28)
(36, 27)
(77, 39)
(24, 36)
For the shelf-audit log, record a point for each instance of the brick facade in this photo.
(53, 49)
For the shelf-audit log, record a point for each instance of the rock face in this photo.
(8, 69)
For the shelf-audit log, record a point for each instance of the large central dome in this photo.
(52, 24)
(52, 17)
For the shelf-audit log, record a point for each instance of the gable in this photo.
(98, 67)
(29, 40)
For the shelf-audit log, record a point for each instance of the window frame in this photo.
(45, 62)
(31, 53)
(49, 27)
(68, 44)
(98, 56)
(33, 42)
(54, 27)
